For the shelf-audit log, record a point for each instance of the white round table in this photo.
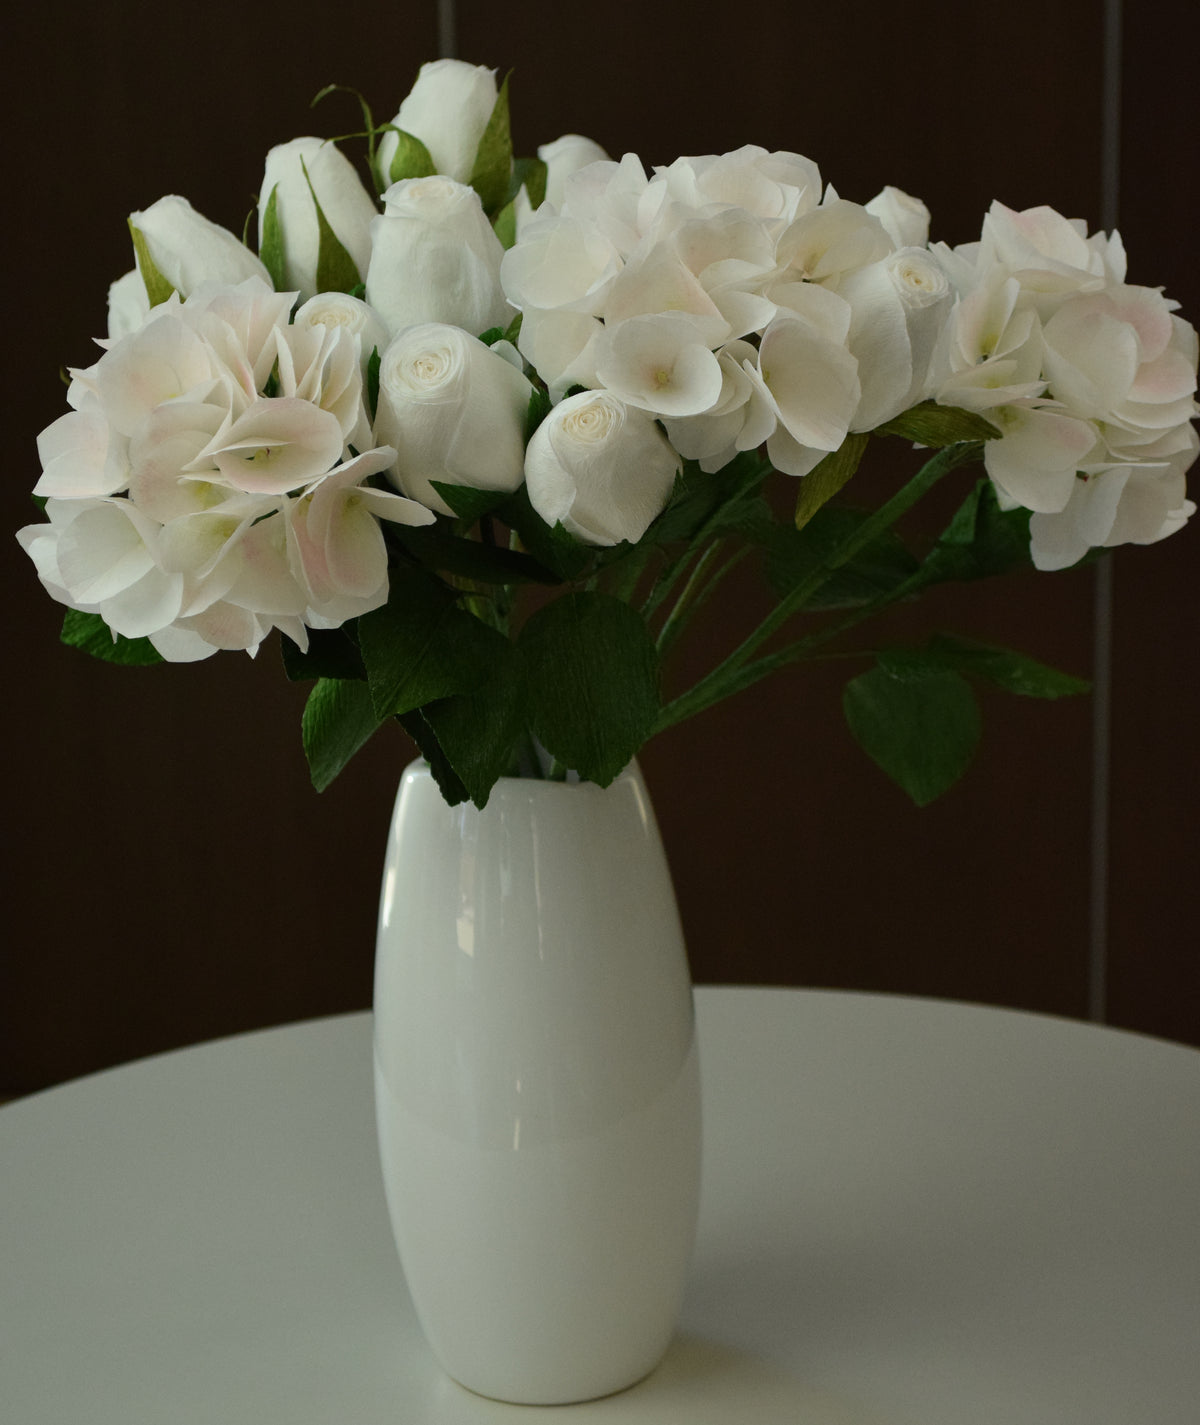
(915, 1213)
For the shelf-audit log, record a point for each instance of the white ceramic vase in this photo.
(537, 1087)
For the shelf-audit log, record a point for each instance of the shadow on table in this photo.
(698, 1383)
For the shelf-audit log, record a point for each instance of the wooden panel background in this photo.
(170, 875)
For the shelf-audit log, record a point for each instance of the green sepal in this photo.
(420, 646)
(920, 724)
(536, 411)
(592, 680)
(331, 653)
(530, 174)
(270, 251)
(504, 225)
(411, 159)
(90, 634)
(158, 289)
(374, 361)
(336, 269)
(553, 547)
(338, 720)
(826, 478)
(468, 503)
(493, 164)
(933, 425)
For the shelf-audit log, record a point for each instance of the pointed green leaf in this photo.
(980, 541)
(826, 479)
(90, 634)
(592, 679)
(1015, 672)
(467, 502)
(793, 555)
(336, 269)
(493, 158)
(411, 159)
(448, 781)
(436, 547)
(158, 289)
(934, 425)
(420, 646)
(477, 731)
(922, 729)
(331, 653)
(338, 720)
(270, 250)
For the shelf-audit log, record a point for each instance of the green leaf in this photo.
(1015, 672)
(792, 555)
(477, 731)
(338, 720)
(411, 159)
(158, 289)
(827, 478)
(270, 250)
(420, 646)
(922, 728)
(727, 500)
(90, 634)
(530, 174)
(331, 653)
(336, 269)
(435, 547)
(592, 678)
(980, 541)
(448, 781)
(494, 157)
(934, 425)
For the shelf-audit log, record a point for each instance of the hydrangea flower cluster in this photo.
(209, 483)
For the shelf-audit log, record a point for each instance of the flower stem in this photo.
(737, 672)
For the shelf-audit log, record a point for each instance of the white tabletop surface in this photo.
(914, 1213)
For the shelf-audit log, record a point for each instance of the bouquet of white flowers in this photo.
(482, 446)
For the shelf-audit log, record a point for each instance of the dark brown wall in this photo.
(170, 874)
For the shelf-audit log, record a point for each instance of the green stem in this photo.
(689, 604)
(673, 622)
(732, 675)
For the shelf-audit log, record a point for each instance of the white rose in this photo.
(601, 468)
(128, 305)
(567, 155)
(905, 219)
(448, 109)
(455, 412)
(435, 258)
(347, 206)
(188, 249)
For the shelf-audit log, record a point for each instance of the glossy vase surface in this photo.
(537, 1086)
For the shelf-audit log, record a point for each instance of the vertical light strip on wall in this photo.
(447, 18)
(1102, 626)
